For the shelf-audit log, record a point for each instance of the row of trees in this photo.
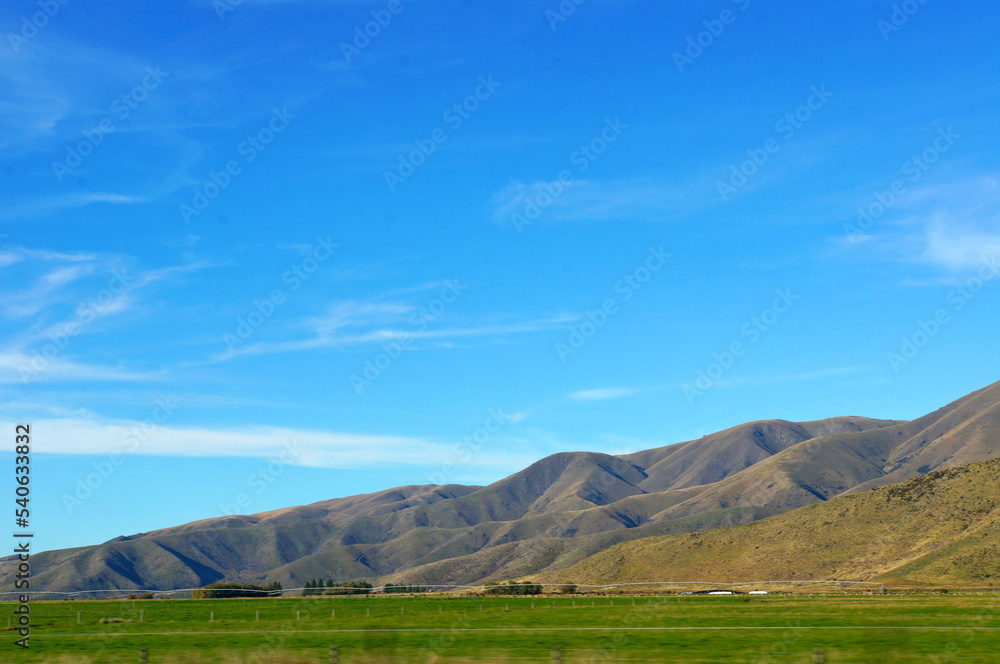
(513, 588)
(393, 588)
(219, 590)
(328, 587)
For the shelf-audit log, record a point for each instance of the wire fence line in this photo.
(392, 590)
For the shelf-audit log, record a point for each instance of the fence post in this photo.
(402, 610)
(440, 608)
(334, 614)
(557, 655)
(298, 614)
(257, 617)
(369, 610)
(142, 615)
(79, 617)
(144, 656)
(211, 616)
(334, 654)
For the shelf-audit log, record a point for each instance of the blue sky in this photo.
(253, 257)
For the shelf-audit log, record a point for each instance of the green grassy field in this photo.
(848, 628)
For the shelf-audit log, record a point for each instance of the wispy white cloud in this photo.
(42, 86)
(957, 223)
(18, 367)
(443, 336)
(314, 448)
(66, 297)
(375, 155)
(62, 278)
(27, 302)
(777, 379)
(417, 313)
(645, 199)
(53, 203)
(59, 87)
(950, 226)
(353, 314)
(46, 255)
(956, 246)
(865, 382)
(603, 394)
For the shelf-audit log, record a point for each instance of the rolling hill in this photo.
(548, 517)
(939, 528)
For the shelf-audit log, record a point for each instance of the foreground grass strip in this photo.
(526, 629)
(458, 630)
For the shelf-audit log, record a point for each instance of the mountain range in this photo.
(583, 516)
(942, 528)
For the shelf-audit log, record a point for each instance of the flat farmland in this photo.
(774, 628)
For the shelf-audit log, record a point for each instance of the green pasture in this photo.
(775, 628)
